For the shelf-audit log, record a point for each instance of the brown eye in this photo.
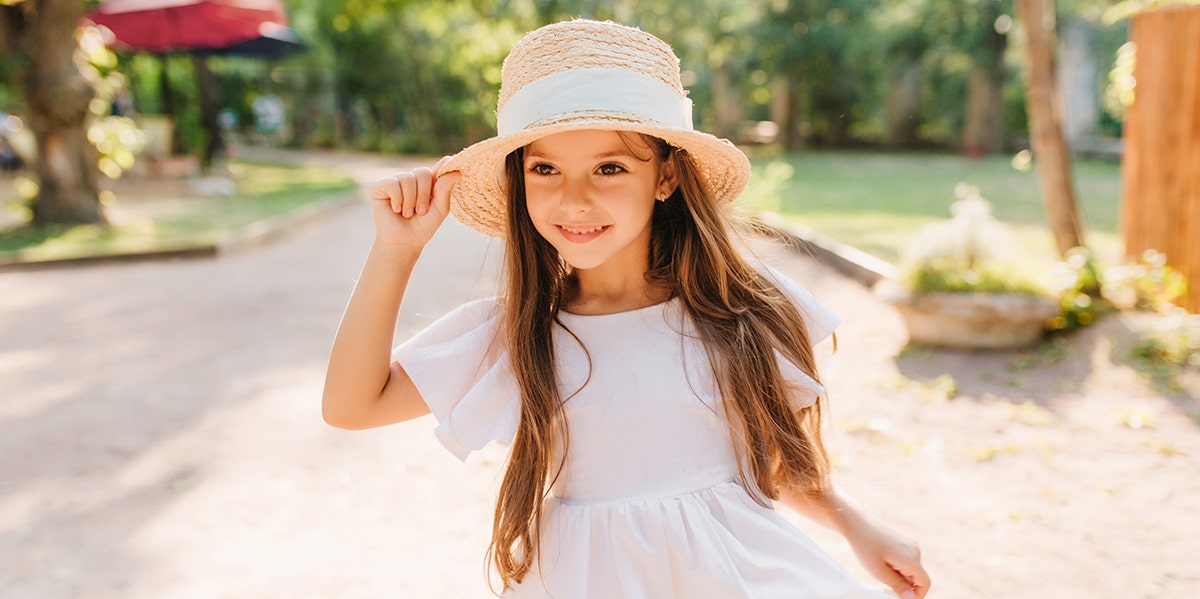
(541, 169)
(611, 169)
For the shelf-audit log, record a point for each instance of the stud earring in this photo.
(662, 197)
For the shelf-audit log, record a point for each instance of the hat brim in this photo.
(479, 197)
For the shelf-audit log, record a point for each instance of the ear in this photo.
(667, 180)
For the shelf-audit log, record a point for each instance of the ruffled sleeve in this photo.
(465, 376)
(819, 319)
(820, 322)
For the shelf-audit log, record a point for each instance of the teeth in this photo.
(582, 231)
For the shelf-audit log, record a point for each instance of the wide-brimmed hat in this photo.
(585, 74)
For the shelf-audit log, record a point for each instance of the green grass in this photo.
(263, 191)
(877, 202)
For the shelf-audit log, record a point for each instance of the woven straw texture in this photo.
(478, 198)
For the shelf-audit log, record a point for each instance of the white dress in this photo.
(648, 504)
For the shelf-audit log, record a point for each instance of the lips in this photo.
(582, 233)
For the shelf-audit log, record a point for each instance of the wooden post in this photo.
(1160, 206)
(1053, 158)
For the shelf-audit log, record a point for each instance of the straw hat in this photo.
(587, 75)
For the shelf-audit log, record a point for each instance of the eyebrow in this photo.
(600, 156)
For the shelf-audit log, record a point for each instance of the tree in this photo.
(1045, 125)
(985, 38)
(812, 46)
(37, 40)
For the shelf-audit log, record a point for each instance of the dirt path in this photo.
(161, 438)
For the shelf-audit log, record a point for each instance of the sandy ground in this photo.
(160, 437)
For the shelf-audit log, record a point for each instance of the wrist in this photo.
(396, 251)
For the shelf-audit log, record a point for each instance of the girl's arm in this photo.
(889, 559)
(363, 388)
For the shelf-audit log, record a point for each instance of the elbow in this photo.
(335, 417)
(334, 420)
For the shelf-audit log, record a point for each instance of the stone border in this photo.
(252, 235)
(847, 260)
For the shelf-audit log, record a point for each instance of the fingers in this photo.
(920, 581)
(438, 166)
(908, 577)
(408, 193)
(386, 189)
(899, 584)
(408, 188)
(424, 181)
(441, 190)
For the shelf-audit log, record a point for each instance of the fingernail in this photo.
(909, 594)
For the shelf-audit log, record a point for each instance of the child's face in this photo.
(591, 194)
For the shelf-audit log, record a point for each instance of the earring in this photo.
(662, 197)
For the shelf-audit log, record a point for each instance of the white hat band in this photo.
(608, 90)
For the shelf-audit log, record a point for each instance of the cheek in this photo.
(538, 209)
(535, 203)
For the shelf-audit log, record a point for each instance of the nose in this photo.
(576, 197)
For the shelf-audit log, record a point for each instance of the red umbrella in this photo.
(163, 26)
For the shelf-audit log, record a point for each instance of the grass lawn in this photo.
(878, 202)
(169, 217)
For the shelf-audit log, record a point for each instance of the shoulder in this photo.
(464, 376)
(481, 313)
(819, 318)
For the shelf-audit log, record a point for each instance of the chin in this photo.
(583, 262)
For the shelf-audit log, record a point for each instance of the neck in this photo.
(609, 290)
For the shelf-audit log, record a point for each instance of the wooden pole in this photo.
(1053, 158)
(1160, 203)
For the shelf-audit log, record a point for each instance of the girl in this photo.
(657, 390)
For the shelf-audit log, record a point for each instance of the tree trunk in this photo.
(167, 94)
(904, 106)
(985, 111)
(984, 122)
(783, 111)
(57, 99)
(210, 100)
(837, 124)
(1049, 147)
(726, 101)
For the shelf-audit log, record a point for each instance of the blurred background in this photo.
(182, 218)
(421, 76)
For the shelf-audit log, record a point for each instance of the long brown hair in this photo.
(741, 316)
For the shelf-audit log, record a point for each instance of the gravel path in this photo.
(161, 438)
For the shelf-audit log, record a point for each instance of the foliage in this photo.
(1177, 343)
(1148, 284)
(1169, 350)
(951, 275)
(1077, 283)
(1118, 94)
(1087, 290)
(438, 88)
(765, 191)
(118, 140)
(965, 253)
(422, 75)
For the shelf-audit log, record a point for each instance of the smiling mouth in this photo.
(582, 234)
(582, 230)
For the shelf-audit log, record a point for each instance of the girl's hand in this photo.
(892, 561)
(410, 206)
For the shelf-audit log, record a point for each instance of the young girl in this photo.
(658, 391)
